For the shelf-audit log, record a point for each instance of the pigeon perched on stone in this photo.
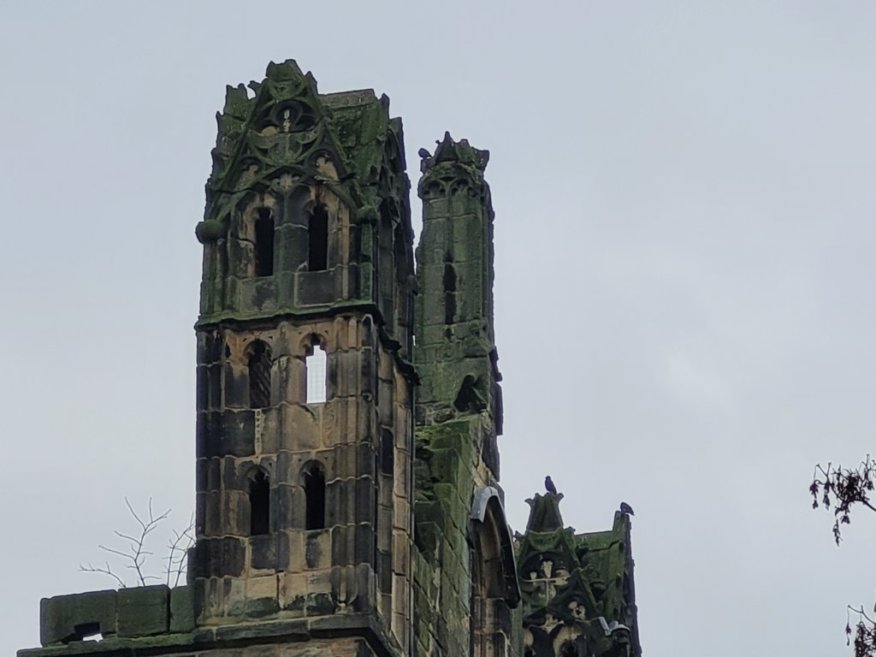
(549, 485)
(626, 508)
(423, 153)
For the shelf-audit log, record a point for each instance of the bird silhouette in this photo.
(549, 485)
(626, 508)
(423, 153)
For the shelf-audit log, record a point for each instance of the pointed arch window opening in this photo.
(316, 366)
(314, 495)
(264, 243)
(317, 239)
(259, 364)
(491, 598)
(259, 503)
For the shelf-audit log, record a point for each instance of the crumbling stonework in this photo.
(348, 409)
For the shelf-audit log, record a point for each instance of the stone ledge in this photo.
(229, 636)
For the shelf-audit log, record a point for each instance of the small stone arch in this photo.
(259, 363)
(316, 369)
(313, 478)
(259, 501)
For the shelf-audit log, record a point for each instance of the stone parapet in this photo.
(126, 613)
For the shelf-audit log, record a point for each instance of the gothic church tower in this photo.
(305, 430)
(348, 412)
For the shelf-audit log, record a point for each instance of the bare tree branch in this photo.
(103, 571)
(134, 553)
(177, 552)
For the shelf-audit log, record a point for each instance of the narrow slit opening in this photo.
(264, 243)
(317, 247)
(314, 493)
(259, 502)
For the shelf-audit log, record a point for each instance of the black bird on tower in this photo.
(549, 485)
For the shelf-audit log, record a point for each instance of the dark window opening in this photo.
(259, 375)
(317, 246)
(387, 447)
(264, 243)
(314, 494)
(449, 290)
(259, 504)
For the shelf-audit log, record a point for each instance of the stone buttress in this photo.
(465, 579)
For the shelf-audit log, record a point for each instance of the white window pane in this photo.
(316, 376)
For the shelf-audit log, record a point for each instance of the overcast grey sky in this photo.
(685, 204)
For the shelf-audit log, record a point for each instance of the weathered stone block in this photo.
(207, 434)
(365, 543)
(258, 294)
(317, 549)
(291, 243)
(289, 510)
(236, 386)
(209, 348)
(66, 618)
(212, 525)
(341, 545)
(292, 593)
(261, 596)
(364, 499)
(218, 557)
(202, 392)
(290, 551)
(263, 551)
(238, 433)
(316, 287)
(285, 283)
(269, 436)
(143, 610)
(182, 610)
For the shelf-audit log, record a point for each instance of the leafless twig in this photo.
(134, 552)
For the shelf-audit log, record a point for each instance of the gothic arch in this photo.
(259, 363)
(313, 480)
(259, 501)
(493, 576)
(315, 357)
(252, 237)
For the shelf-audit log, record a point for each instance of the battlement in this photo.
(83, 622)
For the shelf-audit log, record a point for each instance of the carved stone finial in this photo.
(544, 514)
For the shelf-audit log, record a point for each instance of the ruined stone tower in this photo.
(348, 408)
